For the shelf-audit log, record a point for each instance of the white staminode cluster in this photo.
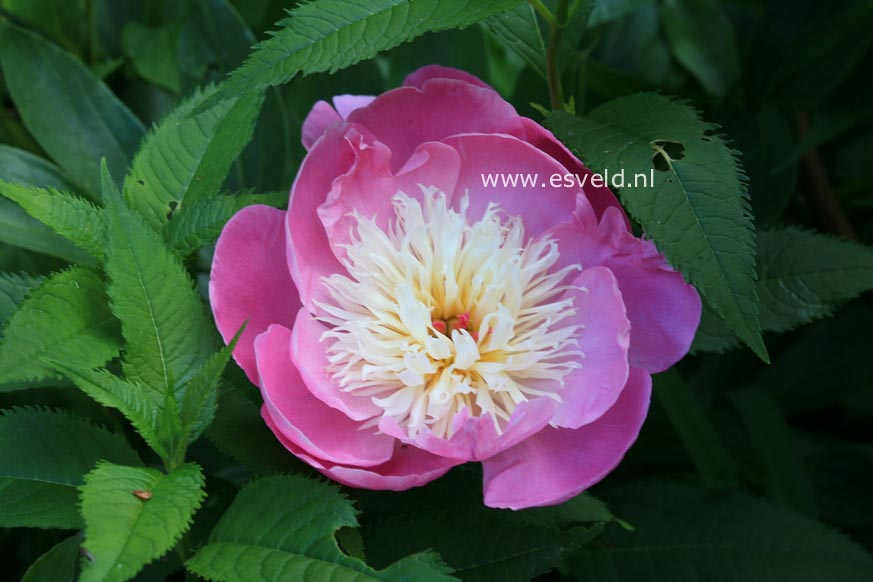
(439, 314)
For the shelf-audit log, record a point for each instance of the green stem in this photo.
(553, 68)
(543, 11)
(92, 30)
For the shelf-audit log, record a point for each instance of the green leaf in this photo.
(23, 167)
(698, 211)
(13, 289)
(201, 223)
(123, 532)
(695, 429)
(519, 31)
(67, 319)
(20, 230)
(165, 328)
(62, 19)
(494, 545)
(239, 431)
(153, 53)
(186, 158)
(68, 215)
(703, 42)
(802, 276)
(44, 456)
(56, 565)
(283, 528)
(786, 479)
(327, 35)
(609, 10)
(51, 90)
(691, 535)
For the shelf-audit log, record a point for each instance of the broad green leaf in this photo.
(20, 230)
(123, 532)
(494, 545)
(186, 158)
(787, 480)
(283, 528)
(327, 35)
(153, 53)
(62, 19)
(239, 431)
(13, 289)
(609, 10)
(802, 276)
(695, 429)
(202, 222)
(141, 406)
(72, 217)
(58, 564)
(66, 319)
(703, 41)
(23, 167)
(519, 31)
(44, 456)
(70, 112)
(691, 535)
(698, 211)
(165, 328)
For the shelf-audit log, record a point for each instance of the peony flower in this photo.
(405, 319)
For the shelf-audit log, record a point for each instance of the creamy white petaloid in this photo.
(438, 314)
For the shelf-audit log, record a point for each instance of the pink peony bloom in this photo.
(404, 319)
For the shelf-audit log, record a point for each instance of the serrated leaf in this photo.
(44, 456)
(519, 31)
(123, 532)
(52, 89)
(56, 565)
(239, 431)
(328, 35)
(283, 528)
(698, 211)
(66, 319)
(691, 535)
(14, 287)
(201, 223)
(494, 545)
(72, 217)
(186, 158)
(20, 230)
(802, 276)
(166, 331)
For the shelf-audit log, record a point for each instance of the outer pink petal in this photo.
(475, 438)
(559, 463)
(408, 467)
(304, 419)
(592, 390)
(250, 280)
(308, 250)
(601, 197)
(419, 77)
(308, 355)
(541, 206)
(406, 117)
(663, 309)
(320, 117)
(345, 104)
(369, 186)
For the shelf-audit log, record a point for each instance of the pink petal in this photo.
(345, 104)
(663, 309)
(308, 250)
(369, 186)
(308, 356)
(250, 280)
(304, 419)
(406, 117)
(320, 117)
(541, 206)
(419, 77)
(601, 197)
(592, 390)
(408, 467)
(559, 463)
(475, 438)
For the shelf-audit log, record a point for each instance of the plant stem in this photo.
(543, 11)
(553, 68)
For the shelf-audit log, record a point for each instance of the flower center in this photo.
(438, 314)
